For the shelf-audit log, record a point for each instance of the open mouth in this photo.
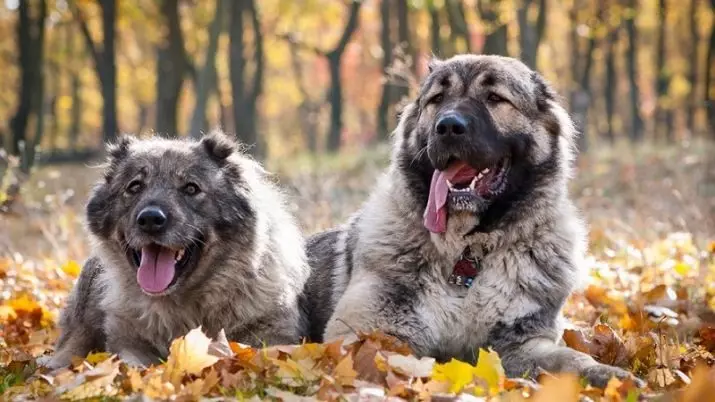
(461, 187)
(467, 183)
(159, 267)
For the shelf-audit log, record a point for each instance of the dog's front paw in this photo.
(600, 374)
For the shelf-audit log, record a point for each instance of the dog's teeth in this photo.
(449, 185)
(179, 255)
(485, 171)
(479, 176)
(473, 184)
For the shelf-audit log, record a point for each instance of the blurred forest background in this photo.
(318, 75)
(314, 87)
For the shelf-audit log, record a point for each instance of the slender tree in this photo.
(30, 36)
(104, 61)
(386, 98)
(693, 72)
(497, 35)
(458, 25)
(708, 67)
(207, 74)
(581, 66)
(435, 38)
(636, 132)
(245, 97)
(610, 82)
(664, 115)
(308, 109)
(171, 68)
(531, 32)
(335, 96)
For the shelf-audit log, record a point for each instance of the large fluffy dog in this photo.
(184, 234)
(469, 239)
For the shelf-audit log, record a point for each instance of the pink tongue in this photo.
(156, 269)
(435, 216)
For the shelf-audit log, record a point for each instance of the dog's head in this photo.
(166, 208)
(484, 135)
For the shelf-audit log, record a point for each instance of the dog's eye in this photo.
(494, 98)
(191, 189)
(436, 99)
(135, 187)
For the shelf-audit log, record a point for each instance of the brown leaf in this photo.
(607, 347)
(707, 338)
(365, 362)
(575, 339)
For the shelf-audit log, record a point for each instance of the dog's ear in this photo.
(116, 153)
(433, 64)
(120, 149)
(219, 145)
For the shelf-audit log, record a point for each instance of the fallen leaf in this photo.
(188, 355)
(489, 369)
(344, 372)
(562, 388)
(410, 365)
(456, 373)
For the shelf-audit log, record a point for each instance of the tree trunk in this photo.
(207, 75)
(109, 83)
(531, 32)
(237, 64)
(28, 159)
(435, 38)
(458, 25)
(257, 85)
(336, 91)
(245, 98)
(383, 110)
(307, 110)
(693, 73)
(28, 74)
(709, 62)
(664, 118)
(580, 97)
(75, 89)
(171, 69)
(636, 133)
(610, 83)
(496, 40)
(404, 36)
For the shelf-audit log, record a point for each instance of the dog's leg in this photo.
(366, 306)
(81, 321)
(528, 345)
(122, 339)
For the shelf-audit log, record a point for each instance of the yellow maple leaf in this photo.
(345, 373)
(682, 268)
(489, 369)
(188, 355)
(71, 268)
(96, 382)
(457, 373)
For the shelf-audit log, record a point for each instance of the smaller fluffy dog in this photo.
(184, 233)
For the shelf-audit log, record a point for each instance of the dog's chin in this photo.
(165, 266)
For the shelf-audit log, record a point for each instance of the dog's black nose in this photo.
(451, 124)
(151, 219)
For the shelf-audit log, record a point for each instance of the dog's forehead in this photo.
(165, 159)
(482, 71)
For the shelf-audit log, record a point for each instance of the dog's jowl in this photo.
(470, 240)
(184, 234)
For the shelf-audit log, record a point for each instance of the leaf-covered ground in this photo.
(647, 305)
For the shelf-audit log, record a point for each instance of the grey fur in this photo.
(388, 272)
(248, 278)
